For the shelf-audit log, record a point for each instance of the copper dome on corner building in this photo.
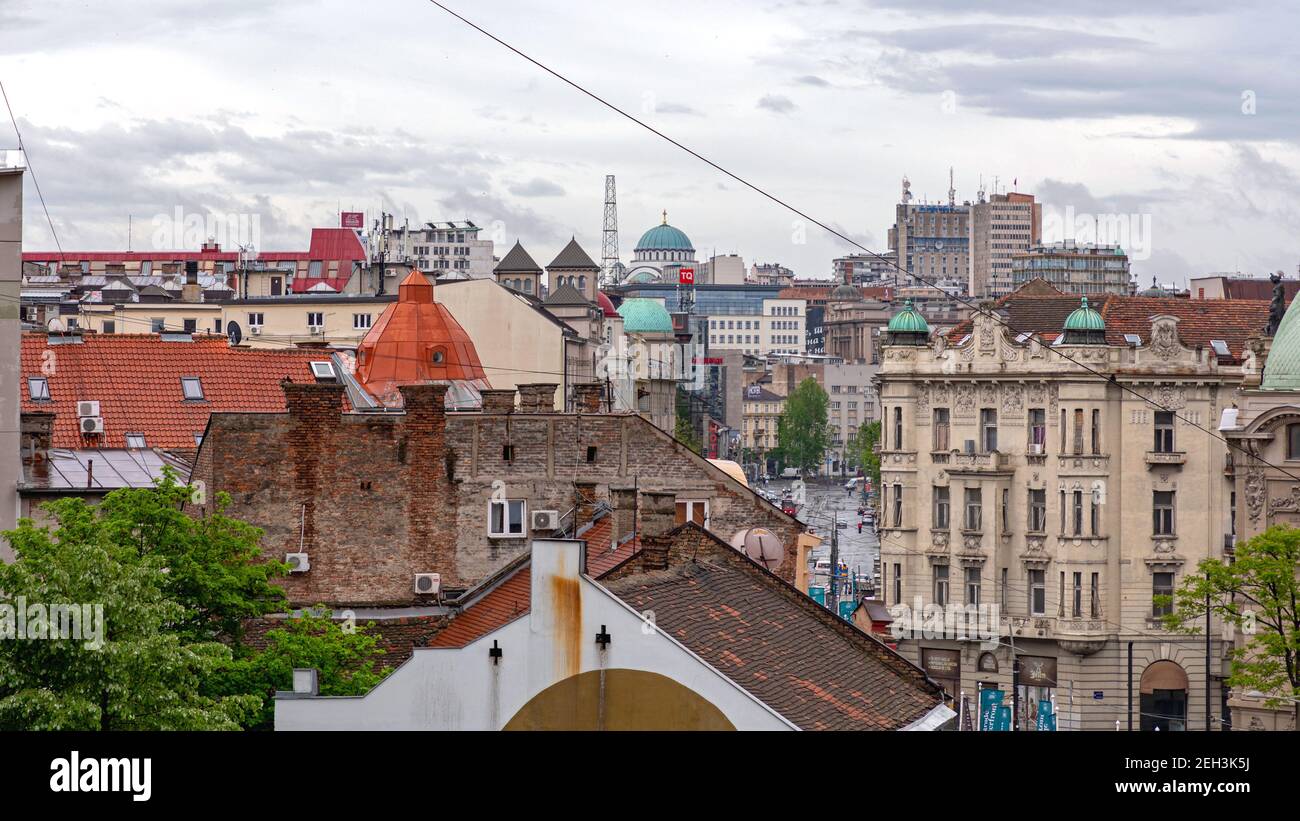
(417, 341)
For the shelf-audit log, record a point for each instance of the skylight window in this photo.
(323, 371)
(1220, 347)
(38, 387)
(1133, 339)
(192, 387)
(135, 441)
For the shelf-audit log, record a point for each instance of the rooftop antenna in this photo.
(952, 192)
(980, 194)
(609, 234)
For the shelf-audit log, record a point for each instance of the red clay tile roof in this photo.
(136, 378)
(510, 599)
(794, 655)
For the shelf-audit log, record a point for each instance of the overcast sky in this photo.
(1185, 114)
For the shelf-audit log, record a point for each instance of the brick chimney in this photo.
(37, 431)
(623, 500)
(429, 502)
(498, 400)
(587, 396)
(537, 397)
(584, 502)
(658, 516)
(318, 401)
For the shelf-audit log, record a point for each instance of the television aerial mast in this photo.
(609, 235)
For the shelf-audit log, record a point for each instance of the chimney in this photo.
(537, 397)
(498, 400)
(658, 512)
(584, 503)
(587, 396)
(426, 400)
(556, 603)
(37, 429)
(319, 401)
(191, 291)
(623, 500)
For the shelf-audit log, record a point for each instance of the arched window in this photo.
(582, 283)
(528, 285)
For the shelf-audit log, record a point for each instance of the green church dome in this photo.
(1084, 319)
(664, 238)
(645, 316)
(1282, 367)
(908, 320)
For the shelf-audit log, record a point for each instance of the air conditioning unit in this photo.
(297, 562)
(546, 520)
(1036, 448)
(92, 424)
(255, 330)
(428, 584)
(317, 330)
(88, 408)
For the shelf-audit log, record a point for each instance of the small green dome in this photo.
(642, 315)
(908, 320)
(1282, 367)
(1084, 319)
(664, 238)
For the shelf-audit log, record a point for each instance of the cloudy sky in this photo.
(1177, 119)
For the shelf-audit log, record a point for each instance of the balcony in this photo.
(1081, 636)
(990, 462)
(1156, 458)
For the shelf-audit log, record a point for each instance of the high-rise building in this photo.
(442, 248)
(1074, 268)
(1001, 227)
(931, 240)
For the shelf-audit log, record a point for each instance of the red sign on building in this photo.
(686, 276)
(352, 219)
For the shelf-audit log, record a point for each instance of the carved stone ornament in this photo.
(965, 399)
(1288, 503)
(1169, 397)
(1013, 399)
(1164, 546)
(989, 394)
(939, 540)
(1255, 492)
(1037, 393)
(1053, 395)
(1164, 340)
(986, 335)
(923, 402)
(939, 393)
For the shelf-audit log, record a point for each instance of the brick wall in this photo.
(374, 499)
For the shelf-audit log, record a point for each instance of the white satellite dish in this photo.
(55, 325)
(761, 545)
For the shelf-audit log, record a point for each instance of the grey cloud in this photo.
(675, 108)
(777, 103)
(1002, 40)
(536, 187)
(812, 80)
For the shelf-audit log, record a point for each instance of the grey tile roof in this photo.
(517, 260)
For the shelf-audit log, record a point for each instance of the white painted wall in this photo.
(461, 689)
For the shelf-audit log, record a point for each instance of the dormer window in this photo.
(135, 441)
(38, 388)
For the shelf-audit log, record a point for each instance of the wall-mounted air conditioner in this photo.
(92, 424)
(428, 584)
(297, 562)
(255, 330)
(545, 520)
(1036, 448)
(87, 408)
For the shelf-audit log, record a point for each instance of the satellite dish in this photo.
(234, 333)
(55, 325)
(761, 545)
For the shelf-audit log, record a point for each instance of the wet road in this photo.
(822, 503)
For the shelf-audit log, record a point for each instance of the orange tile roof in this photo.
(511, 598)
(136, 378)
(1199, 320)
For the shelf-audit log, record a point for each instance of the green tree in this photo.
(863, 448)
(1259, 593)
(174, 592)
(801, 431)
(685, 434)
(347, 661)
(128, 669)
